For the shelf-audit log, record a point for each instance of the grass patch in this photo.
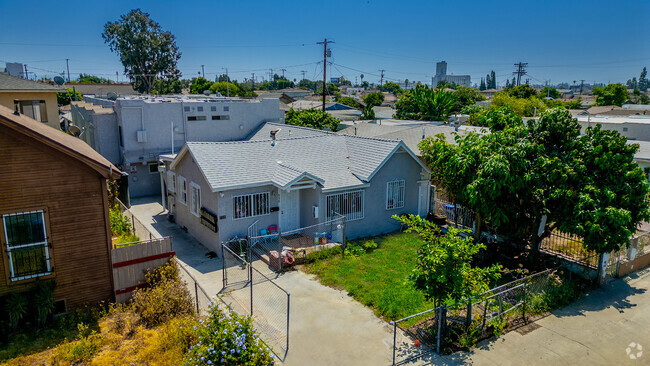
(378, 278)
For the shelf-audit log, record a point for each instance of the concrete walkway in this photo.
(328, 327)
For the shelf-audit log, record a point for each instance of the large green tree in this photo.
(313, 118)
(465, 96)
(423, 103)
(392, 88)
(612, 94)
(199, 85)
(146, 51)
(643, 80)
(545, 171)
(92, 79)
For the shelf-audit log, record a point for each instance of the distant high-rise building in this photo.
(441, 75)
(15, 69)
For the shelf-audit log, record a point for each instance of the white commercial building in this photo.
(132, 132)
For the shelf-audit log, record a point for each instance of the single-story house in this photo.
(34, 99)
(55, 213)
(295, 177)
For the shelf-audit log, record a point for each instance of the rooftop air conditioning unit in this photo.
(141, 135)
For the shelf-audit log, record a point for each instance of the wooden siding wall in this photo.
(126, 277)
(33, 176)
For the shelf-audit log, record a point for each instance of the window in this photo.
(217, 118)
(199, 109)
(395, 194)
(250, 205)
(213, 108)
(182, 185)
(196, 118)
(226, 108)
(171, 181)
(27, 246)
(34, 109)
(195, 199)
(349, 204)
(186, 109)
(153, 168)
(624, 129)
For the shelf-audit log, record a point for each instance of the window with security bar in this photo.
(250, 205)
(348, 204)
(27, 247)
(395, 194)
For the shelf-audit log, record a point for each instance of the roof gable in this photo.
(12, 83)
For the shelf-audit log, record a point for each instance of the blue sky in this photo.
(597, 40)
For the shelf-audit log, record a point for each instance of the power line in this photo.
(521, 71)
(325, 54)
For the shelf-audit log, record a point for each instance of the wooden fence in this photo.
(131, 260)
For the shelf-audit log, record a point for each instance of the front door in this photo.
(289, 210)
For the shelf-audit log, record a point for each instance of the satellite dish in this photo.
(74, 130)
(111, 96)
(59, 80)
(206, 92)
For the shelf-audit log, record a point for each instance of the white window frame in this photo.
(345, 206)
(259, 205)
(182, 190)
(395, 192)
(43, 243)
(171, 181)
(195, 204)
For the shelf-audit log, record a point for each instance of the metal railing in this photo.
(431, 330)
(457, 216)
(139, 229)
(569, 247)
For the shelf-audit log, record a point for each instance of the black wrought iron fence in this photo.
(569, 247)
(457, 216)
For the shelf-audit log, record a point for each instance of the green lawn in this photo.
(377, 279)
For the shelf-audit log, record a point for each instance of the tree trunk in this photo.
(477, 228)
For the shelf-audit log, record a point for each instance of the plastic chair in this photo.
(272, 229)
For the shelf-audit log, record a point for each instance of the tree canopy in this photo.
(199, 85)
(465, 96)
(587, 185)
(549, 91)
(313, 118)
(612, 94)
(92, 79)
(146, 51)
(392, 88)
(65, 98)
(422, 103)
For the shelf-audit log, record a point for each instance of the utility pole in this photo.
(303, 74)
(381, 82)
(283, 70)
(253, 82)
(521, 71)
(67, 65)
(582, 83)
(203, 70)
(26, 75)
(324, 43)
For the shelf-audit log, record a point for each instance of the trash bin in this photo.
(449, 209)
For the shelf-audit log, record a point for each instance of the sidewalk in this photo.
(595, 330)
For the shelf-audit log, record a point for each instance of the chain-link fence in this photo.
(199, 296)
(139, 229)
(472, 319)
(457, 216)
(250, 292)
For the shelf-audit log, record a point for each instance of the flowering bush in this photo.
(228, 339)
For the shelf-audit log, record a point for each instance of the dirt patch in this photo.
(523, 330)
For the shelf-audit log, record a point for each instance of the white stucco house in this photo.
(299, 178)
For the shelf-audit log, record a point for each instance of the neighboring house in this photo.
(102, 89)
(34, 99)
(633, 127)
(642, 157)
(302, 177)
(134, 131)
(409, 132)
(54, 212)
(296, 92)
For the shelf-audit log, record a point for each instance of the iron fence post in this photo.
(250, 272)
(468, 320)
(288, 310)
(394, 339)
(438, 336)
(196, 296)
(223, 269)
(280, 249)
(524, 305)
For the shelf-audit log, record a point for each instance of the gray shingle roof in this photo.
(644, 150)
(8, 82)
(333, 160)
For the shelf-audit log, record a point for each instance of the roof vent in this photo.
(273, 133)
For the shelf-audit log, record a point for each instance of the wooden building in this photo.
(54, 212)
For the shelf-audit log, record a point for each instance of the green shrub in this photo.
(43, 301)
(166, 299)
(468, 335)
(498, 326)
(323, 254)
(127, 238)
(228, 339)
(166, 272)
(356, 249)
(120, 224)
(82, 350)
(16, 307)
